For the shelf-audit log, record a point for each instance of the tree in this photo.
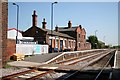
(101, 44)
(94, 41)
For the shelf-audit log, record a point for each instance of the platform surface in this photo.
(24, 64)
(117, 60)
(40, 58)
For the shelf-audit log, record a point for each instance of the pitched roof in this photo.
(15, 29)
(57, 33)
(67, 29)
(70, 31)
(49, 32)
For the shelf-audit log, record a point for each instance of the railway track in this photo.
(76, 58)
(27, 75)
(70, 55)
(82, 59)
(35, 73)
(103, 68)
(90, 75)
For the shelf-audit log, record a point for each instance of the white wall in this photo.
(30, 49)
(12, 34)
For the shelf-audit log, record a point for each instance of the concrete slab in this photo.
(117, 62)
(24, 64)
(59, 67)
(32, 61)
(40, 58)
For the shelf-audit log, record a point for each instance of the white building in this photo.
(12, 33)
(26, 45)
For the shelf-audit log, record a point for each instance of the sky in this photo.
(100, 16)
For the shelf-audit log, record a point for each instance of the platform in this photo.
(117, 59)
(24, 64)
(35, 60)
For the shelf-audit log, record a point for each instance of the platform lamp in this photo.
(17, 21)
(52, 21)
(52, 15)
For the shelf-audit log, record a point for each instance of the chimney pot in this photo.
(80, 26)
(34, 12)
(44, 24)
(69, 24)
(56, 28)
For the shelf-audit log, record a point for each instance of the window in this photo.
(74, 44)
(79, 35)
(36, 31)
(84, 45)
(56, 45)
(84, 36)
(79, 44)
(65, 43)
(69, 44)
(50, 41)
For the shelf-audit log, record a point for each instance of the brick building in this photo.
(3, 31)
(76, 32)
(60, 39)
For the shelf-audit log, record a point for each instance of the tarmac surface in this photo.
(40, 58)
(35, 60)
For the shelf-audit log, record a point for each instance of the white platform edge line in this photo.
(115, 59)
(72, 52)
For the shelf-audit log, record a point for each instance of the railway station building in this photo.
(61, 39)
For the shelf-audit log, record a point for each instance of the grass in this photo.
(8, 66)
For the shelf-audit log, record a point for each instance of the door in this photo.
(61, 45)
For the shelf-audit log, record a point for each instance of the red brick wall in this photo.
(88, 45)
(3, 28)
(0, 34)
(79, 38)
(11, 47)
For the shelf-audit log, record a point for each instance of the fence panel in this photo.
(30, 49)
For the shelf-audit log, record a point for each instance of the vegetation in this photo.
(116, 47)
(8, 66)
(94, 41)
(95, 44)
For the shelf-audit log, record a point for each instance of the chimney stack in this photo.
(56, 28)
(69, 24)
(44, 24)
(80, 26)
(34, 19)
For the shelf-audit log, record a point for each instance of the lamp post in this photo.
(17, 21)
(95, 32)
(52, 21)
(52, 16)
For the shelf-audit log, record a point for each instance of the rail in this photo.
(50, 71)
(36, 75)
(97, 77)
(74, 73)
